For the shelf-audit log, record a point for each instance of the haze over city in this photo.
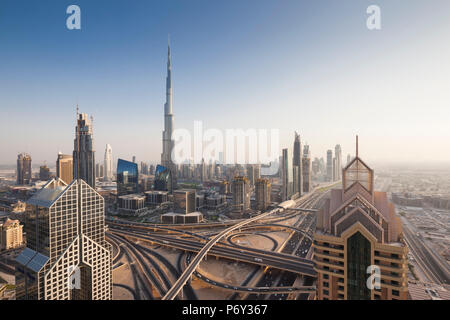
(235, 65)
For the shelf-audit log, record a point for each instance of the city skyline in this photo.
(399, 117)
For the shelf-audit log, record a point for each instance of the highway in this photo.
(204, 251)
(173, 292)
(214, 243)
(435, 270)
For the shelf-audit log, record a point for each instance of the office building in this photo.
(329, 175)
(163, 180)
(334, 169)
(215, 202)
(144, 168)
(11, 235)
(24, 169)
(131, 204)
(184, 201)
(67, 256)
(83, 151)
(338, 156)
(315, 167)
(240, 188)
(127, 177)
(357, 228)
(297, 166)
(306, 169)
(262, 194)
(287, 176)
(64, 167)
(154, 197)
(108, 166)
(44, 173)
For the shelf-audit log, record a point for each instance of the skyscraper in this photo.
(64, 167)
(297, 166)
(262, 194)
(338, 156)
(240, 188)
(108, 164)
(23, 168)
(168, 143)
(306, 169)
(287, 176)
(329, 176)
(358, 232)
(67, 256)
(83, 152)
(127, 177)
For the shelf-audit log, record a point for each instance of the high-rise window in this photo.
(358, 259)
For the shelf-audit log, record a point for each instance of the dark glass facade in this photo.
(163, 179)
(358, 259)
(127, 177)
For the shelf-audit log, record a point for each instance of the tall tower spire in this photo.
(166, 156)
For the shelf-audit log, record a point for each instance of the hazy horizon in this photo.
(292, 65)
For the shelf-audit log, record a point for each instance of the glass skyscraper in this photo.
(127, 177)
(163, 179)
(65, 227)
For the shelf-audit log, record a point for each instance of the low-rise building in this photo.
(181, 218)
(155, 197)
(132, 204)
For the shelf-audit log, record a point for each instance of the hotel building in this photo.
(357, 227)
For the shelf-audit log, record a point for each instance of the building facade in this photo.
(108, 166)
(11, 235)
(240, 188)
(127, 177)
(357, 234)
(24, 169)
(64, 167)
(262, 194)
(338, 157)
(287, 176)
(168, 143)
(67, 256)
(83, 151)
(184, 201)
(306, 169)
(44, 173)
(297, 166)
(329, 174)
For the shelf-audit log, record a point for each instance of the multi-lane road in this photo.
(214, 243)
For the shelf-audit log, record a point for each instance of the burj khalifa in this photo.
(168, 143)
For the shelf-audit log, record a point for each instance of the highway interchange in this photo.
(275, 271)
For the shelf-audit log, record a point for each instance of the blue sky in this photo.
(310, 66)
